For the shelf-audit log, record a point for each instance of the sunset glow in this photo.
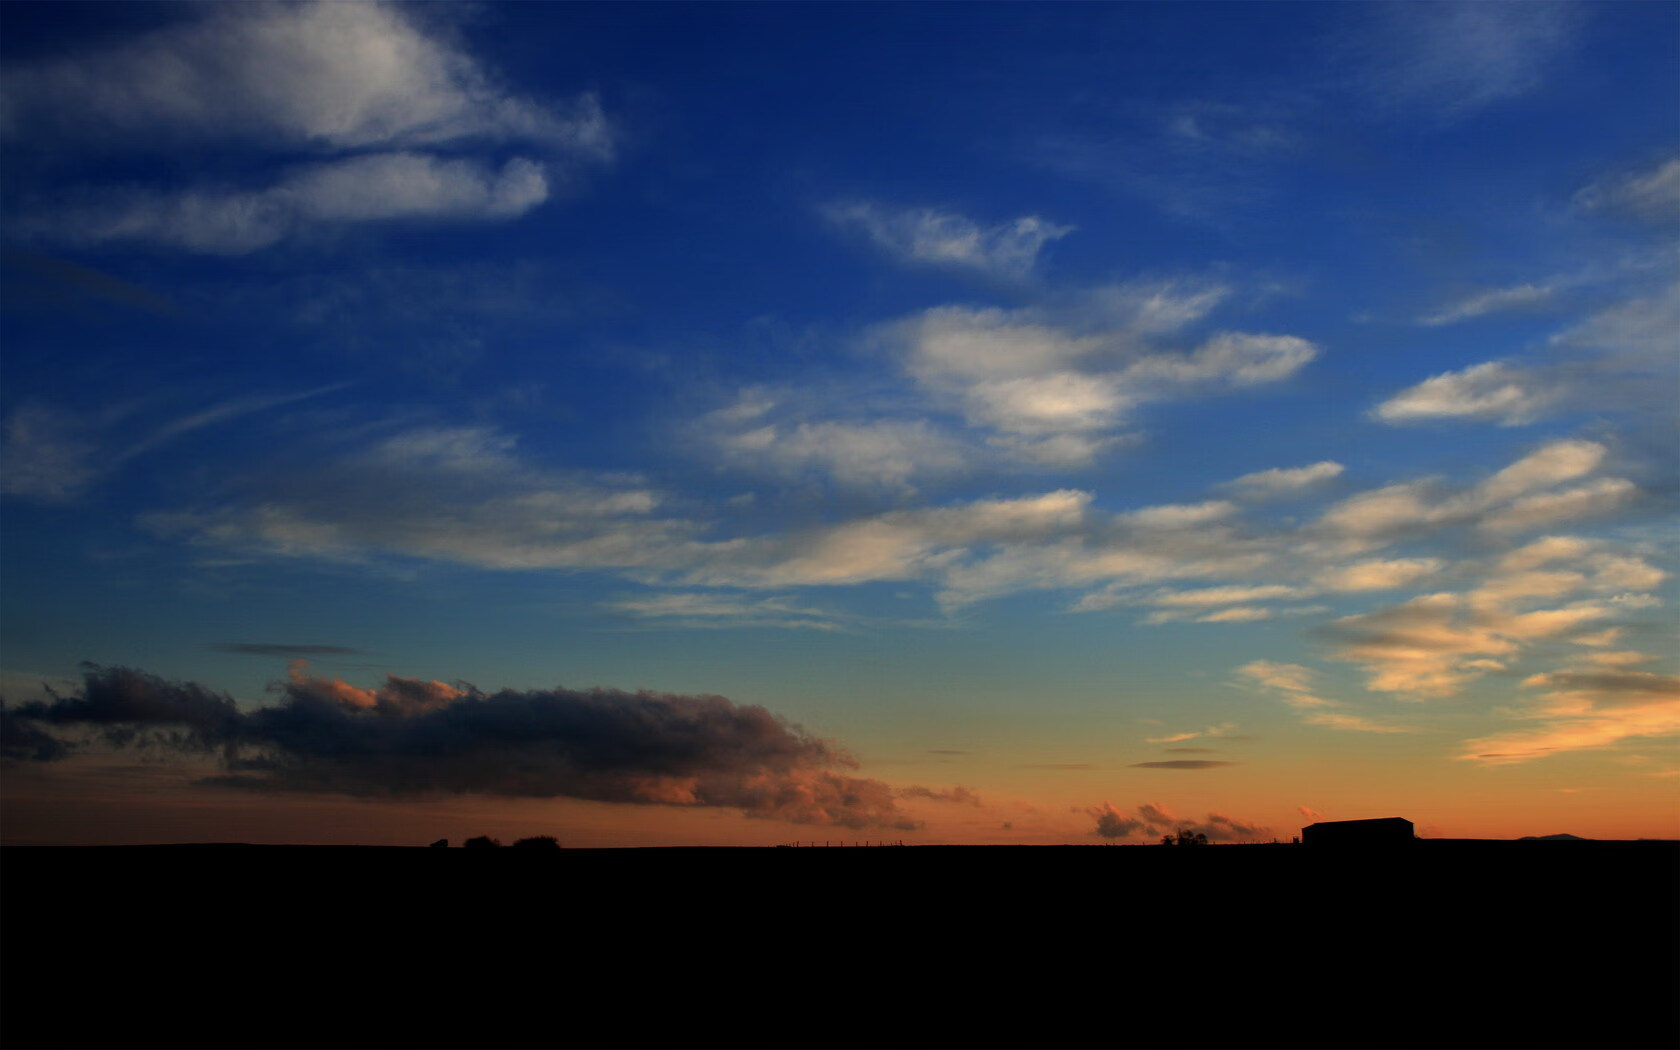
(710, 424)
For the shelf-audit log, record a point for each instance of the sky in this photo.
(741, 424)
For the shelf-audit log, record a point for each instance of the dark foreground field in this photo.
(1461, 944)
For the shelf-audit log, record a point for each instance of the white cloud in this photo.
(1491, 301)
(1435, 644)
(928, 236)
(881, 454)
(1510, 500)
(1281, 481)
(333, 76)
(1454, 59)
(1491, 391)
(1378, 574)
(375, 187)
(1653, 195)
(355, 100)
(1038, 378)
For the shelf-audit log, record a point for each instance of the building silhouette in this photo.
(1383, 831)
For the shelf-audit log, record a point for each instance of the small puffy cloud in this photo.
(1112, 824)
(413, 738)
(1065, 379)
(1653, 195)
(1494, 300)
(1284, 481)
(1488, 392)
(928, 236)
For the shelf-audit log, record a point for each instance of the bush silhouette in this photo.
(538, 842)
(481, 842)
(441, 844)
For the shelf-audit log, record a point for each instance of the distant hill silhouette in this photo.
(1565, 837)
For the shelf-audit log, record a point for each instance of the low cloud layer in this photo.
(415, 738)
(1150, 820)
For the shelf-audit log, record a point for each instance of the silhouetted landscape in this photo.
(1537, 943)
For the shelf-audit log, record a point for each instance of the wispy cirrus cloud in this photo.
(1295, 685)
(1496, 300)
(1453, 60)
(932, 237)
(1652, 195)
(52, 454)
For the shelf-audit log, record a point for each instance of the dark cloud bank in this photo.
(411, 738)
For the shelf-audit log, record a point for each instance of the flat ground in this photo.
(1439, 943)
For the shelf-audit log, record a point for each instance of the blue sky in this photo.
(1248, 411)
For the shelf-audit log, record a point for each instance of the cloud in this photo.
(1586, 709)
(322, 76)
(1435, 644)
(1183, 763)
(1490, 392)
(1378, 574)
(369, 188)
(1111, 824)
(54, 455)
(928, 236)
(457, 494)
(1293, 684)
(1455, 59)
(1152, 819)
(1280, 481)
(1512, 499)
(1652, 195)
(691, 609)
(375, 117)
(958, 795)
(883, 455)
(415, 738)
(1056, 384)
(290, 652)
(1492, 301)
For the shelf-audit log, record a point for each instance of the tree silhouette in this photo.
(481, 842)
(1185, 837)
(538, 842)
